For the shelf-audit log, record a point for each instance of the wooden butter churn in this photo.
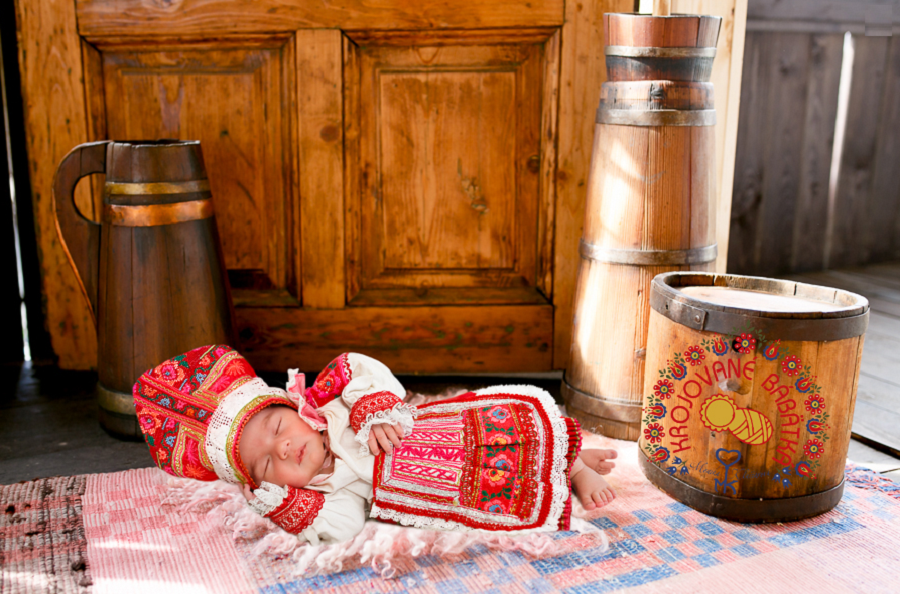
(650, 205)
(152, 270)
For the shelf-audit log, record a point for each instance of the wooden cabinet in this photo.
(406, 181)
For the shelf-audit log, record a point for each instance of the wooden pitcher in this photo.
(650, 205)
(152, 271)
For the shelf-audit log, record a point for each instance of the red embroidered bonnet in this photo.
(193, 408)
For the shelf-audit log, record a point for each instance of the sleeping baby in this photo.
(319, 461)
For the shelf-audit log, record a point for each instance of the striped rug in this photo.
(112, 533)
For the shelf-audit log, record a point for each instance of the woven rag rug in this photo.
(121, 532)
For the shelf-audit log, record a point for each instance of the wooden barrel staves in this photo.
(650, 205)
(749, 394)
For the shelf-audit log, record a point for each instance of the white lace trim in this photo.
(558, 483)
(220, 424)
(268, 498)
(401, 413)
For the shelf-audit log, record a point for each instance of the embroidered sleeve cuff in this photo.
(297, 510)
(380, 407)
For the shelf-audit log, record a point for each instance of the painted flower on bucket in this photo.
(803, 385)
(654, 433)
(719, 346)
(791, 365)
(814, 425)
(771, 352)
(745, 343)
(814, 449)
(657, 410)
(663, 389)
(694, 355)
(678, 370)
(660, 455)
(815, 404)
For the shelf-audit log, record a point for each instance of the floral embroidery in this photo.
(497, 506)
(330, 382)
(694, 355)
(663, 389)
(499, 414)
(745, 343)
(496, 461)
(370, 404)
(174, 418)
(298, 510)
(654, 433)
(815, 404)
(814, 449)
(170, 372)
(791, 365)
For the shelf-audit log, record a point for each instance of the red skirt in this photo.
(497, 459)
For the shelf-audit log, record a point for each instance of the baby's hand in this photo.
(384, 438)
(247, 492)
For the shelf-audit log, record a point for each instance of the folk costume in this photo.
(497, 459)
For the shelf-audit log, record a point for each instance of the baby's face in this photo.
(278, 447)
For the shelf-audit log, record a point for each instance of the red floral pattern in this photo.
(745, 343)
(791, 365)
(369, 405)
(694, 355)
(175, 400)
(815, 404)
(654, 433)
(814, 449)
(504, 463)
(298, 510)
(330, 382)
(664, 389)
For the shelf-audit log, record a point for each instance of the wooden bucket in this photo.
(749, 394)
(650, 205)
(152, 271)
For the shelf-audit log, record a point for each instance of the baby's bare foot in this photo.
(592, 489)
(599, 460)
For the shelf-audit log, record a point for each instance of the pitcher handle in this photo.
(78, 235)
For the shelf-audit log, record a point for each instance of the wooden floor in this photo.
(876, 421)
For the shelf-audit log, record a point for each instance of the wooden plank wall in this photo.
(783, 219)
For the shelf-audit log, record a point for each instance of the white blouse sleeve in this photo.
(342, 517)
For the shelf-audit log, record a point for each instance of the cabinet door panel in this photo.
(232, 100)
(449, 197)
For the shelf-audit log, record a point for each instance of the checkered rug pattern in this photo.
(135, 544)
